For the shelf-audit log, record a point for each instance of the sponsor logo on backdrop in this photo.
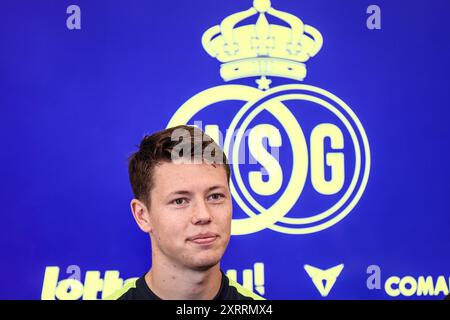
(408, 285)
(94, 287)
(313, 155)
(252, 279)
(324, 280)
(72, 288)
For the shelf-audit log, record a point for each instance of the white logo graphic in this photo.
(324, 280)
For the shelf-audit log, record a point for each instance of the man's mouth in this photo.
(204, 238)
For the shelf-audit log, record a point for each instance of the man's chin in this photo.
(204, 263)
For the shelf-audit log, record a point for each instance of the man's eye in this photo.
(178, 201)
(216, 196)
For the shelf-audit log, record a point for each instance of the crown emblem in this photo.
(262, 49)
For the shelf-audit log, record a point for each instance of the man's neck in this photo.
(172, 283)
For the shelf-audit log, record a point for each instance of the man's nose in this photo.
(201, 214)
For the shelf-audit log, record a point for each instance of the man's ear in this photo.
(141, 214)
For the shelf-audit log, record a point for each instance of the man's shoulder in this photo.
(127, 292)
(238, 292)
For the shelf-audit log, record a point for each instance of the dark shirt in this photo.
(229, 290)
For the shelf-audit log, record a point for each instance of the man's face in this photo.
(190, 213)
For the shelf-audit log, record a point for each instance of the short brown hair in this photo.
(158, 147)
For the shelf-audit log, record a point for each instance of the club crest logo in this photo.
(299, 155)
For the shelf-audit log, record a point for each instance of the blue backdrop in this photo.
(75, 103)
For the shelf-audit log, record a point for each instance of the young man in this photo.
(180, 180)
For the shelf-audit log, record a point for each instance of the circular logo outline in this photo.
(244, 93)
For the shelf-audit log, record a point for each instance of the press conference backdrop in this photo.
(338, 108)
